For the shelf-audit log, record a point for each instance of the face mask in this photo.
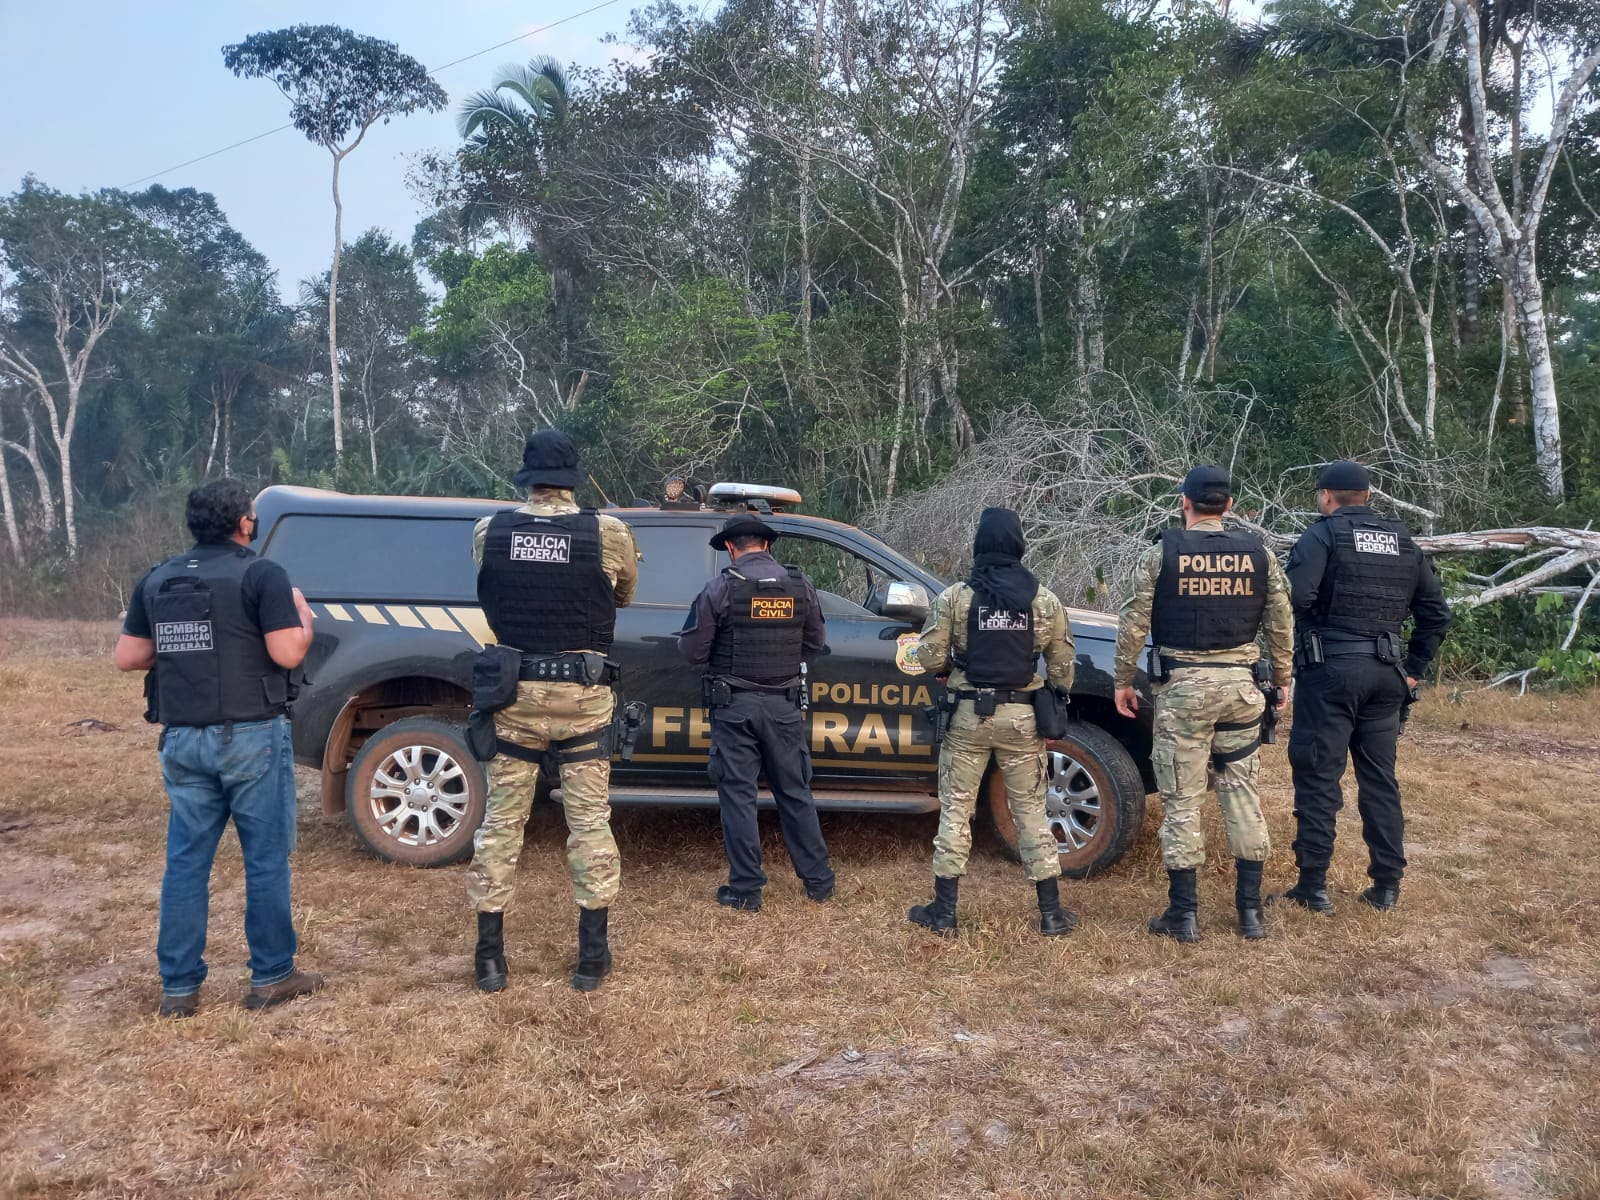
(255, 528)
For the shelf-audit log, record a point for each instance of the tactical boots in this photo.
(1311, 892)
(1247, 898)
(489, 959)
(594, 952)
(1383, 895)
(1179, 922)
(940, 916)
(1054, 921)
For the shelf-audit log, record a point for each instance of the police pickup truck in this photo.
(393, 585)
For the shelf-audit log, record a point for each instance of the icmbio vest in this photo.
(212, 664)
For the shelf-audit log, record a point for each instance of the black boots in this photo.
(1311, 891)
(1382, 895)
(1247, 899)
(1054, 921)
(1179, 922)
(594, 952)
(940, 916)
(489, 959)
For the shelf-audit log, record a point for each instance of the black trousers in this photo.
(1349, 707)
(763, 734)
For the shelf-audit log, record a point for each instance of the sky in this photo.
(102, 93)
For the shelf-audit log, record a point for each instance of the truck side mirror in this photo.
(901, 601)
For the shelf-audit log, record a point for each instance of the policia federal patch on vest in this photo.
(1211, 591)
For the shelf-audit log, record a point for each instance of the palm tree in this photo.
(521, 98)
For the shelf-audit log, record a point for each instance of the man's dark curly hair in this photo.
(214, 510)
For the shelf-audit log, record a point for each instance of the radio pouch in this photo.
(1050, 712)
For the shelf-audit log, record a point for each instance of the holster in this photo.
(625, 727)
(1050, 711)
(1308, 649)
(715, 692)
(1271, 692)
(939, 713)
(152, 712)
(1156, 667)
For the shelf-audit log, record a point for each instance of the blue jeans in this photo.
(211, 776)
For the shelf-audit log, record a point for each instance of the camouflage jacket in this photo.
(1134, 626)
(945, 633)
(619, 556)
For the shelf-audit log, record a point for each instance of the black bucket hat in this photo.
(743, 526)
(549, 459)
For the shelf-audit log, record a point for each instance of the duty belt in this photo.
(575, 666)
(1001, 695)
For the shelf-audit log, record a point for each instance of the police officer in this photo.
(221, 630)
(550, 579)
(1354, 577)
(752, 627)
(988, 633)
(1201, 593)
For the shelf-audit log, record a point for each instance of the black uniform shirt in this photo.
(711, 606)
(268, 598)
(1308, 565)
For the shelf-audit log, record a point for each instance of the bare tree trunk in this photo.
(1471, 271)
(1038, 290)
(804, 163)
(13, 535)
(1541, 376)
(216, 433)
(333, 316)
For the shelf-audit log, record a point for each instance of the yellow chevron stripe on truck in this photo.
(463, 619)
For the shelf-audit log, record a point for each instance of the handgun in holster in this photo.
(1272, 693)
(938, 714)
(715, 692)
(1156, 667)
(1308, 649)
(626, 725)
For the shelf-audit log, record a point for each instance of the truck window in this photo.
(404, 559)
(843, 580)
(676, 564)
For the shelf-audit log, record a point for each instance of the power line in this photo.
(455, 62)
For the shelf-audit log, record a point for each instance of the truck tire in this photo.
(1094, 798)
(416, 795)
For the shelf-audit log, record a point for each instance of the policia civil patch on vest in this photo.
(181, 637)
(1377, 541)
(541, 547)
(1224, 574)
(1003, 620)
(772, 608)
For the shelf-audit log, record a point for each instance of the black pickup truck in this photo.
(393, 586)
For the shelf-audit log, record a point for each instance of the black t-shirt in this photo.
(268, 598)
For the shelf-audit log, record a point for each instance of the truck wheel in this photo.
(1093, 796)
(416, 795)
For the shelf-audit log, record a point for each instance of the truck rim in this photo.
(1071, 801)
(419, 795)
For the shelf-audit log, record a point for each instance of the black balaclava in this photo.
(998, 575)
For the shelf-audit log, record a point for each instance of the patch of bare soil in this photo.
(1447, 1049)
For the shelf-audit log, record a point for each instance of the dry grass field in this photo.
(1447, 1049)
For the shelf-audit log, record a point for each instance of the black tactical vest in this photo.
(763, 636)
(999, 650)
(541, 584)
(1211, 591)
(212, 663)
(1371, 575)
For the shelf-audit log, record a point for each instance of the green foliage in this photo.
(336, 81)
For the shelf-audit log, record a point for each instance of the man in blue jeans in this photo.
(221, 630)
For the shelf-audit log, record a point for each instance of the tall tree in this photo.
(70, 266)
(339, 84)
(1470, 158)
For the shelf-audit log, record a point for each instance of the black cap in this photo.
(1208, 484)
(747, 525)
(549, 459)
(1344, 476)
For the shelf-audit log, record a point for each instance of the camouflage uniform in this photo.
(553, 712)
(1190, 706)
(1010, 735)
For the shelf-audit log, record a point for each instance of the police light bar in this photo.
(753, 494)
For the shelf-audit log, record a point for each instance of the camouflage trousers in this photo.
(1189, 707)
(1013, 739)
(544, 713)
